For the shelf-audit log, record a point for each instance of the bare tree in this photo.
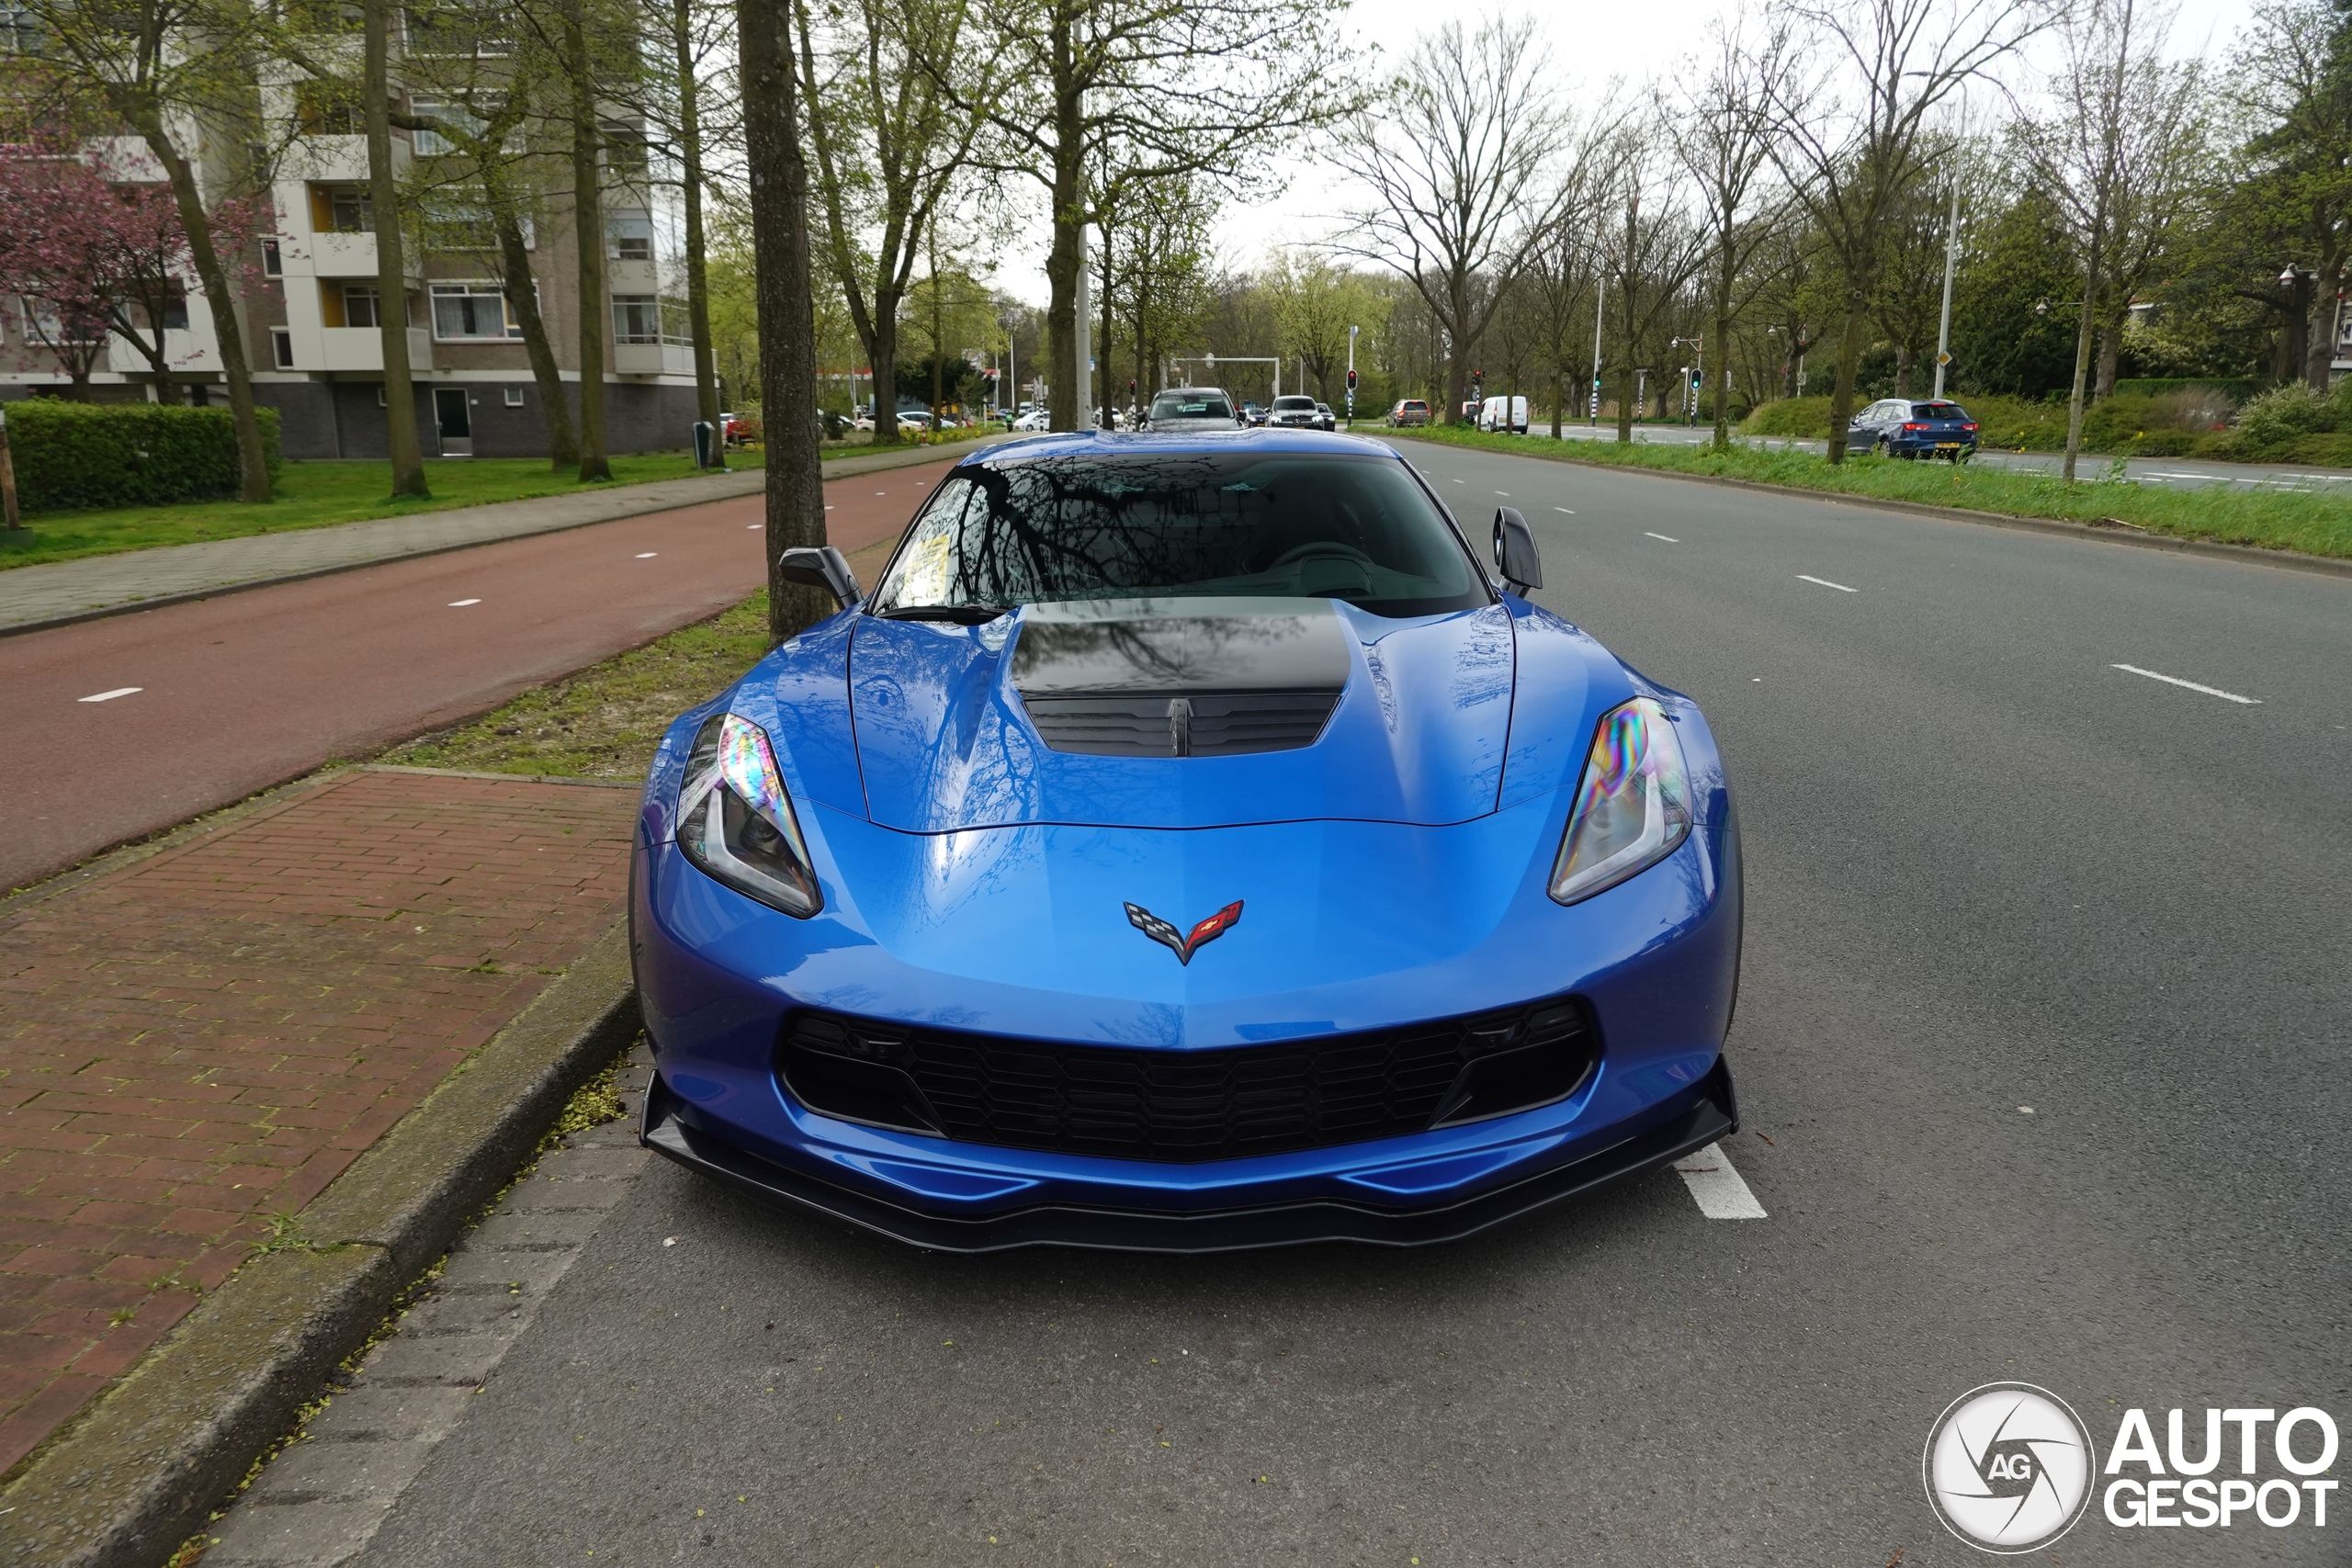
(1850, 161)
(1453, 155)
(1563, 267)
(1105, 96)
(391, 266)
(2110, 155)
(1722, 131)
(1652, 251)
(891, 139)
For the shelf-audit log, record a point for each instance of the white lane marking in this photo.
(2130, 668)
(1564, 509)
(755, 527)
(1826, 583)
(1721, 1194)
(1667, 537)
(1456, 481)
(647, 555)
(109, 697)
(1504, 493)
(762, 524)
(461, 603)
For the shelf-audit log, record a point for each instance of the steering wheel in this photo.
(1315, 548)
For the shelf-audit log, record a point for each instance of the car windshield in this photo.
(1305, 404)
(1190, 405)
(1183, 525)
(1938, 411)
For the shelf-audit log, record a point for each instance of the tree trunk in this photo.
(1063, 260)
(2319, 337)
(1721, 351)
(555, 403)
(1841, 400)
(779, 180)
(588, 231)
(2082, 358)
(253, 461)
(1559, 396)
(697, 273)
(391, 270)
(2110, 355)
(1905, 358)
(882, 356)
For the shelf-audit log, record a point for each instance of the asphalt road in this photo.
(2184, 473)
(215, 700)
(2041, 1051)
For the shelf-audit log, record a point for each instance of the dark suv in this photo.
(1902, 428)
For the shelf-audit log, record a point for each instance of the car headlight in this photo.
(736, 822)
(1632, 807)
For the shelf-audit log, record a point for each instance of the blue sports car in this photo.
(1187, 847)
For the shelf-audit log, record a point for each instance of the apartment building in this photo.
(311, 307)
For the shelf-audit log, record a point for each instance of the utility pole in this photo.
(1081, 339)
(1952, 260)
(1351, 376)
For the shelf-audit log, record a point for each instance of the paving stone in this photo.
(205, 1037)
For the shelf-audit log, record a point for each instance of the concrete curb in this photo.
(724, 486)
(138, 1472)
(2285, 560)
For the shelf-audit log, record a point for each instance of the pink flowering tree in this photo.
(90, 255)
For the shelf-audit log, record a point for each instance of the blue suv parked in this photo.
(1902, 428)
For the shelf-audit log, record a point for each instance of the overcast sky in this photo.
(1590, 44)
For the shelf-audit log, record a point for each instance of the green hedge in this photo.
(71, 455)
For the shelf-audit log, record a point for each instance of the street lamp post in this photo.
(1600, 304)
(1952, 260)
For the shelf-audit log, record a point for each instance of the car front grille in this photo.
(1187, 1106)
(1233, 724)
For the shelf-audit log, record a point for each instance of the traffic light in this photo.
(1694, 380)
(1351, 380)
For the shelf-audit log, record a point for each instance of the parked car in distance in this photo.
(1903, 428)
(1292, 411)
(1192, 408)
(1408, 411)
(1505, 414)
(1030, 419)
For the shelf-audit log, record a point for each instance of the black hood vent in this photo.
(1181, 677)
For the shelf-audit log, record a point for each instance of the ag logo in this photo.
(2008, 1467)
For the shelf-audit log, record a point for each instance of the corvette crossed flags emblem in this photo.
(1184, 945)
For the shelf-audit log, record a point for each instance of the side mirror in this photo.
(820, 567)
(1515, 555)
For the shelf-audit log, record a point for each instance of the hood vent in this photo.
(1181, 677)
(1126, 725)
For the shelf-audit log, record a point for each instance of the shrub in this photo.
(2229, 391)
(2281, 414)
(2192, 408)
(2163, 443)
(1790, 416)
(78, 455)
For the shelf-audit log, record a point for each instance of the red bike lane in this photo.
(228, 696)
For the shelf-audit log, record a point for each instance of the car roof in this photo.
(1115, 442)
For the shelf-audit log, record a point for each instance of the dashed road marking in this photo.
(647, 555)
(109, 697)
(1716, 1186)
(461, 603)
(1826, 583)
(1667, 537)
(2129, 669)
(755, 527)
(1564, 509)
(1504, 493)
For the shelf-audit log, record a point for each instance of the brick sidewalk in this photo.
(203, 1039)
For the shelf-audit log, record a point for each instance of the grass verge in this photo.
(2267, 519)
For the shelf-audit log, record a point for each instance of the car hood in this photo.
(1066, 714)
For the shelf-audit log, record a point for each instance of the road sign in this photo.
(1943, 358)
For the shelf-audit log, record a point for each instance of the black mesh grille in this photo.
(1187, 1105)
(1202, 725)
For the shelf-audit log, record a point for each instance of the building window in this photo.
(328, 108)
(463, 311)
(176, 311)
(273, 263)
(453, 29)
(282, 342)
(44, 324)
(359, 305)
(347, 209)
(626, 152)
(636, 317)
(513, 397)
(632, 236)
(460, 217)
(19, 33)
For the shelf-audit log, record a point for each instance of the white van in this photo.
(1492, 415)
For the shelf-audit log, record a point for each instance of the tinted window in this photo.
(1190, 405)
(1938, 411)
(1184, 525)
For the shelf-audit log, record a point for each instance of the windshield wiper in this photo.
(966, 614)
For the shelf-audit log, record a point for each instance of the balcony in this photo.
(653, 359)
(338, 158)
(362, 348)
(342, 255)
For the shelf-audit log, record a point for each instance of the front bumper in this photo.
(1709, 1112)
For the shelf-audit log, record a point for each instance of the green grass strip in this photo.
(2268, 517)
